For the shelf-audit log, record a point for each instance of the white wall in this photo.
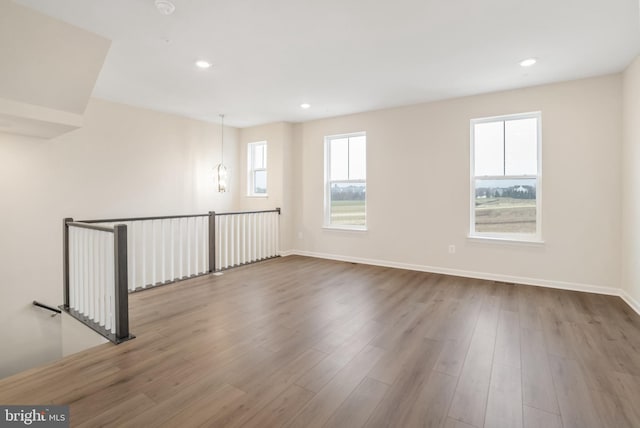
(631, 185)
(418, 187)
(280, 178)
(76, 337)
(125, 161)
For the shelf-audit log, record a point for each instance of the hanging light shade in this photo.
(222, 178)
(221, 170)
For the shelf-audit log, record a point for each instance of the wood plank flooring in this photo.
(302, 342)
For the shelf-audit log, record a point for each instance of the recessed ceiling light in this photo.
(528, 62)
(305, 105)
(165, 7)
(203, 64)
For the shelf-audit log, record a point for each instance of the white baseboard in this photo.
(562, 285)
(635, 305)
(287, 253)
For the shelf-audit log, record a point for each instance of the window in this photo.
(346, 181)
(505, 177)
(257, 167)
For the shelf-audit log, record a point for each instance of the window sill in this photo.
(346, 228)
(507, 240)
(258, 196)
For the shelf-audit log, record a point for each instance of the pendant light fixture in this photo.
(221, 168)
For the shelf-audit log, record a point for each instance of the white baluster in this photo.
(196, 245)
(267, 218)
(204, 229)
(163, 264)
(218, 242)
(178, 248)
(134, 263)
(98, 265)
(247, 238)
(186, 241)
(243, 239)
(202, 261)
(193, 266)
(80, 298)
(79, 261)
(256, 235)
(276, 234)
(227, 236)
(92, 273)
(265, 235)
(154, 273)
(108, 275)
(238, 240)
(254, 238)
(172, 248)
(223, 242)
(220, 238)
(144, 254)
(203, 243)
(271, 235)
(230, 239)
(85, 266)
(233, 238)
(203, 247)
(101, 277)
(188, 232)
(261, 234)
(247, 235)
(73, 286)
(111, 284)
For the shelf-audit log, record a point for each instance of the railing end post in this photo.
(65, 260)
(121, 281)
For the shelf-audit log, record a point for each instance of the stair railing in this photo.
(95, 277)
(107, 258)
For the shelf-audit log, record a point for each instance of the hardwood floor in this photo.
(302, 342)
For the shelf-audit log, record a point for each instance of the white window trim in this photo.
(251, 171)
(527, 238)
(327, 185)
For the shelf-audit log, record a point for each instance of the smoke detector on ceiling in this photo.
(165, 7)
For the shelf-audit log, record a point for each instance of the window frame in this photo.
(251, 193)
(497, 236)
(328, 182)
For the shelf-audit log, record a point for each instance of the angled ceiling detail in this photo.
(48, 74)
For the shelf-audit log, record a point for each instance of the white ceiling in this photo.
(343, 56)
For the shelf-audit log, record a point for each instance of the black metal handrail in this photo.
(85, 225)
(50, 308)
(120, 220)
(277, 210)
(168, 217)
